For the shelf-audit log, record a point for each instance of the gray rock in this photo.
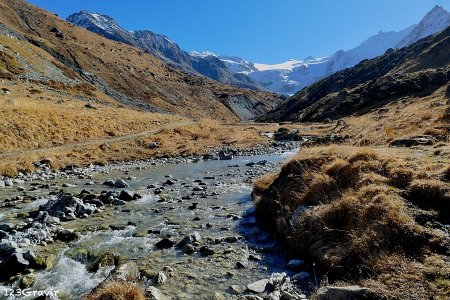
(353, 292)
(241, 265)
(85, 209)
(301, 278)
(126, 195)
(2, 184)
(7, 247)
(13, 265)
(108, 183)
(153, 293)
(189, 239)
(120, 183)
(258, 286)
(164, 244)
(66, 235)
(6, 227)
(295, 264)
(236, 289)
(117, 202)
(8, 182)
(188, 249)
(206, 251)
(160, 278)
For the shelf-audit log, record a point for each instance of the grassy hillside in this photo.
(122, 72)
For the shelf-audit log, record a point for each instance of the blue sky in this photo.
(265, 31)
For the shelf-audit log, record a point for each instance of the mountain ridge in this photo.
(416, 70)
(122, 72)
(163, 47)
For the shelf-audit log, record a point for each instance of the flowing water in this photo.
(223, 215)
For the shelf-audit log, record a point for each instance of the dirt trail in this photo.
(122, 138)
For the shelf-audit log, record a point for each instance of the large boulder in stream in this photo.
(13, 265)
(65, 206)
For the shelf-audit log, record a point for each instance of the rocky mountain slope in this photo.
(119, 71)
(162, 47)
(417, 70)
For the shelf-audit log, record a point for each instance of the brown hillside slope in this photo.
(417, 70)
(126, 73)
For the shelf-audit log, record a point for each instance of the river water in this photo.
(223, 216)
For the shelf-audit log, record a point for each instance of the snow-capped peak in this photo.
(434, 21)
(87, 20)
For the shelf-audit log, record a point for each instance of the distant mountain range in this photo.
(285, 78)
(294, 75)
(162, 47)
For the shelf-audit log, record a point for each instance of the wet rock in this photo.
(193, 206)
(188, 249)
(165, 244)
(117, 227)
(169, 182)
(303, 279)
(117, 202)
(104, 260)
(126, 195)
(126, 272)
(241, 265)
(353, 292)
(253, 257)
(64, 202)
(68, 185)
(7, 247)
(85, 209)
(120, 183)
(66, 235)
(27, 281)
(295, 264)
(108, 183)
(153, 293)
(206, 251)
(43, 262)
(13, 265)
(189, 239)
(159, 278)
(6, 227)
(231, 239)
(236, 289)
(258, 286)
(3, 234)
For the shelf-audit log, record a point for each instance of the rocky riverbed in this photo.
(182, 227)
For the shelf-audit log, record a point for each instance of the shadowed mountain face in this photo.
(161, 46)
(418, 70)
(123, 72)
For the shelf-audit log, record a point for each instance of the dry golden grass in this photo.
(364, 218)
(407, 117)
(36, 123)
(117, 291)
